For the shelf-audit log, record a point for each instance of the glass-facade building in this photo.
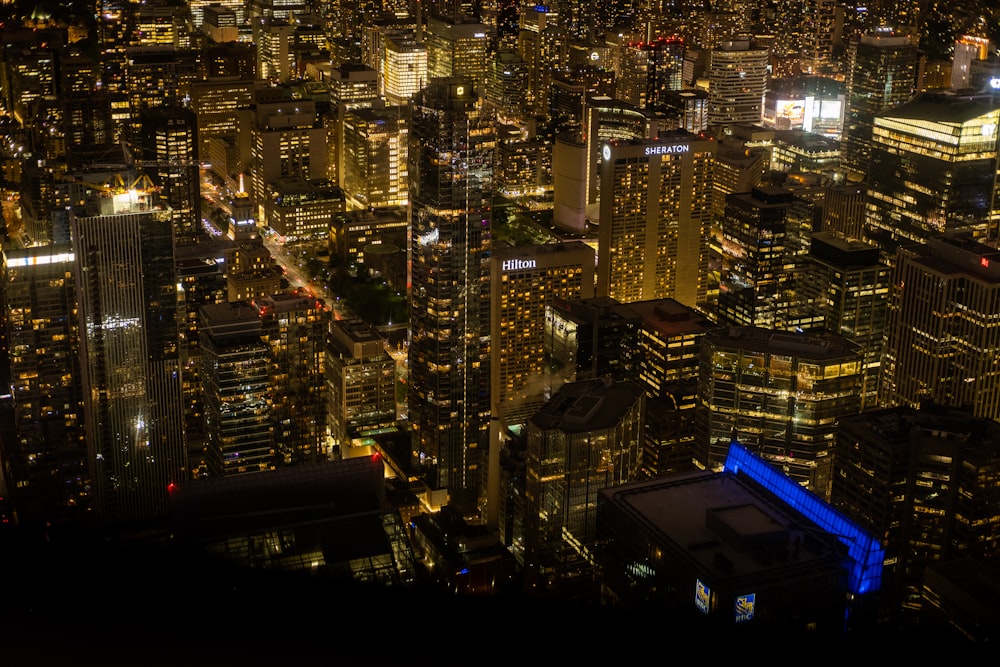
(451, 186)
(130, 314)
(780, 395)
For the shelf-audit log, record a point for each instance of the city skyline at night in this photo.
(627, 309)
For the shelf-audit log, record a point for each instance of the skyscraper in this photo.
(451, 172)
(656, 209)
(780, 395)
(737, 80)
(129, 319)
(170, 150)
(48, 458)
(882, 72)
(942, 332)
(934, 170)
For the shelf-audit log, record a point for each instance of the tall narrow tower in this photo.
(451, 173)
(130, 356)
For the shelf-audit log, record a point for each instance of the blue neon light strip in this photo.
(865, 552)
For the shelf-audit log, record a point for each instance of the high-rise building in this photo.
(223, 109)
(819, 32)
(759, 272)
(541, 43)
(130, 316)
(360, 384)
(156, 76)
(374, 156)
(286, 138)
(780, 395)
(737, 79)
(606, 119)
(451, 171)
(934, 170)
(524, 281)
(967, 49)
(47, 458)
(300, 209)
(850, 286)
(236, 368)
(882, 72)
(656, 210)
(274, 40)
(843, 211)
(507, 84)
(402, 68)
(924, 481)
(169, 154)
(294, 326)
(942, 334)
(458, 45)
(586, 438)
(648, 70)
(353, 85)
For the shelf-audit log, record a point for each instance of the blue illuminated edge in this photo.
(865, 552)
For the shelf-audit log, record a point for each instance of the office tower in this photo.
(275, 43)
(924, 481)
(569, 182)
(236, 59)
(666, 364)
(882, 73)
(967, 49)
(758, 277)
(352, 231)
(287, 138)
(352, 85)
(450, 214)
(294, 326)
(286, 10)
(572, 87)
(843, 210)
(169, 145)
(457, 45)
(934, 170)
(130, 316)
(31, 73)
(851, 287)
(648, 70)
(218, 22)
(524, 280)
(737, 79)
(202, 12)
(819, 23)
(507, 85)
(655, 218)
(156, 76)
(48, 456)
(160, 22)
(811, 569)
(606, 119)
(402, 68)
(223, 108)
(780, 395)
(541, 42)
(686, 109)
(360, 380)
(941, 337)
(375, 156)
(201, 281)
(523, 167)
(801, 152)
(236, 368)
(586, 438)
(300, 209)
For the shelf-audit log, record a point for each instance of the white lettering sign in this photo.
(663, 150)
(515, 264)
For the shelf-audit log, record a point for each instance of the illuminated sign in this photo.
(702, 596)
(995, 83)
(744, 607)
(606, 152)
(672, 149)
(515, 264)
(595, 55)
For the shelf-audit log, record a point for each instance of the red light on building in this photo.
(985, 262)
